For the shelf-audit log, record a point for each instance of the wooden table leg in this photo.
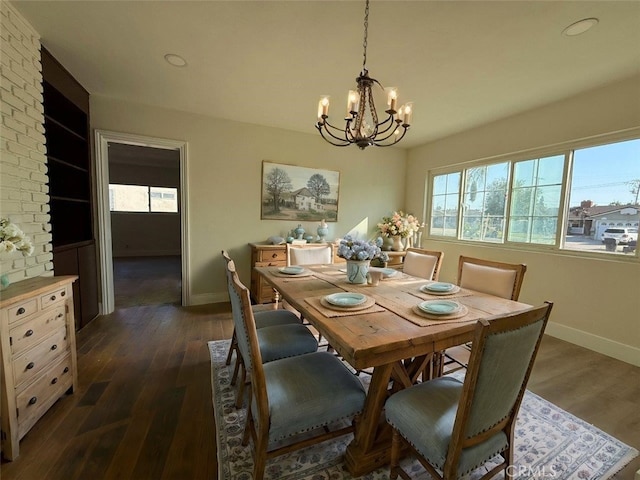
(363, 453)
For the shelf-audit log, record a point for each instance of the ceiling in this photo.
(462, 63)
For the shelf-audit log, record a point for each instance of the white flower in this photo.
(13, 239)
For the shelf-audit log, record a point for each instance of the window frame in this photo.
(565, 149)
(149, 211)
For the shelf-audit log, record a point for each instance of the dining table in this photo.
(390, 334)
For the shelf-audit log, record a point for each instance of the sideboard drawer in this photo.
(37, 397)
(22, 310)
(272, 255)
(29, 333)
(56, 296)
(27, 365)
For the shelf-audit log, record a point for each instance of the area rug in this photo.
(550, 443)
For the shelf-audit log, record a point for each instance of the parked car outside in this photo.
(623, 235)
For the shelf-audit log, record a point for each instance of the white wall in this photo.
(224, 182)
(24, 194)
(597, 300)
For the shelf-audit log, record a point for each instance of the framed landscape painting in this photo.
(297, 193)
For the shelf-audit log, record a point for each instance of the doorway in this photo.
(142, 220)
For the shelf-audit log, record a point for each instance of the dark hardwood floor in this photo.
(143, 407)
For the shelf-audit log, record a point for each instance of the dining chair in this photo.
(308, 255)
(275, 340)
(487, 276)
(455, 426)
(313, 394)
(422, 263)
(264, 318)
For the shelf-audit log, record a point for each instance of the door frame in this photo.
(102, 139)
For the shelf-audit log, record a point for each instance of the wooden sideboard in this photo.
(38, 350)
(268, 255)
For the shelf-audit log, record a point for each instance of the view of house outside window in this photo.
(522, 201)
(140, 198)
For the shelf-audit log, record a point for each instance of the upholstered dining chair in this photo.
(307, 394)
(276, 340)
(264, 318)
(422, 263)
(488, 276)
(309, 255)
(455, 426)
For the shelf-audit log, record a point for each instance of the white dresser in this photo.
(38, 350)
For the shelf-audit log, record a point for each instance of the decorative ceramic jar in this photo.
(357, 271)
(397, 243)
(299, 232)
(323, 231)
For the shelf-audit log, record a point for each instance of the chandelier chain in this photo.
(366, 29)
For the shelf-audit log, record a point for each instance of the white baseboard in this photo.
(205, 298)
(617, 350)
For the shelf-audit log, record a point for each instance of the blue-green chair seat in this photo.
(282, 341)
(309, 391)
(429, 429)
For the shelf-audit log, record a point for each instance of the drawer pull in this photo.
(53, 297)
(54, 381)
(33, 400)
(54, 346)
(60, 315)
(29, 333)
(274, 255)
(20, 311)
(30, 365)
(62, 294)
(66, 369)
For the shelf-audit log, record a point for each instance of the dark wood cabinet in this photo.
(66, 111)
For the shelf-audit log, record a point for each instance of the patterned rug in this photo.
(550, 443)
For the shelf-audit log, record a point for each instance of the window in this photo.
(535, 200)
(484, 203)
(139, 198)
(520, 201)
(444, 208)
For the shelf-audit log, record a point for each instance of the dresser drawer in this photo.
(271, 255)
(27, 365)
(29, 333)
(22, 310)
(53, 297)
(38, 397)
(273, 263)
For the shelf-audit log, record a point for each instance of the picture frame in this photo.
(291, 192)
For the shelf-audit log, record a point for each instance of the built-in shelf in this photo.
(66, 112)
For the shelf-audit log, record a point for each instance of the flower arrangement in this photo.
(353, 249)
(400, 224)
(12, 239)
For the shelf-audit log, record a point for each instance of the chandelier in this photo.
(361, 121)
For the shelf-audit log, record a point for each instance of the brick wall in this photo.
(24, 194)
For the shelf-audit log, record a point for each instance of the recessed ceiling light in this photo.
(580, 27)
(175, 60)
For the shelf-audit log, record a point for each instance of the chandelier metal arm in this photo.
(378, 144)
(344, 141)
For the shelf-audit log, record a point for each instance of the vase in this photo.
(397, 243)
(387, 244)
(299, 232)
(4, 281)
(357, 271)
